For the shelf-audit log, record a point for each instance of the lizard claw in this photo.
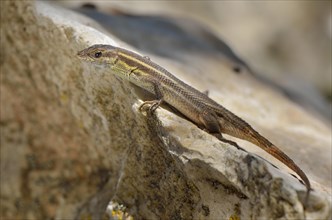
(154, 104)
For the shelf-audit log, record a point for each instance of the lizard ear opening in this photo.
(98, 54)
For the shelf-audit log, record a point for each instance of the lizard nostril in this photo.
(80, 53)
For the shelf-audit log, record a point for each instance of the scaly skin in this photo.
(193, 104)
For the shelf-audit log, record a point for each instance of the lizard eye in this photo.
(98, 54)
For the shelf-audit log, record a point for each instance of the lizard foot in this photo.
(153, 105)
(221, 138)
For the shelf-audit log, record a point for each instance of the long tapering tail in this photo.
(249, 134)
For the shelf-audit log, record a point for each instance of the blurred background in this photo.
(65, 151)
(284, 42)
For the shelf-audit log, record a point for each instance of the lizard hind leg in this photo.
(210, 122)
(212, 126)
(221, 138)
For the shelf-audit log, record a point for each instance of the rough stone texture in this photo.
(72, 139)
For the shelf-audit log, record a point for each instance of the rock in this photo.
(72, 138)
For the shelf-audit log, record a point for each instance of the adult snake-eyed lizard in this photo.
(193, 104)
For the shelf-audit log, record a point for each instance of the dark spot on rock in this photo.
(89, 6)
(237, 208)
(248, 159)
(214, 183)
(230, 190)
(53, 200)
(206, 210)
(237, 69)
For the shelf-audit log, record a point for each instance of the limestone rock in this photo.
(72, 138)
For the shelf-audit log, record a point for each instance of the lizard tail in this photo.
(254, 137)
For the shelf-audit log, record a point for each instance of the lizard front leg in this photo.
(154, 104)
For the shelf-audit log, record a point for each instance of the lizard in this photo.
(193, 104)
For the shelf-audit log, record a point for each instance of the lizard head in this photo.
(99, 53)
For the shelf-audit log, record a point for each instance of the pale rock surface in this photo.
(72, 139)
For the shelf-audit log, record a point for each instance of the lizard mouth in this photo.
(83, 55)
